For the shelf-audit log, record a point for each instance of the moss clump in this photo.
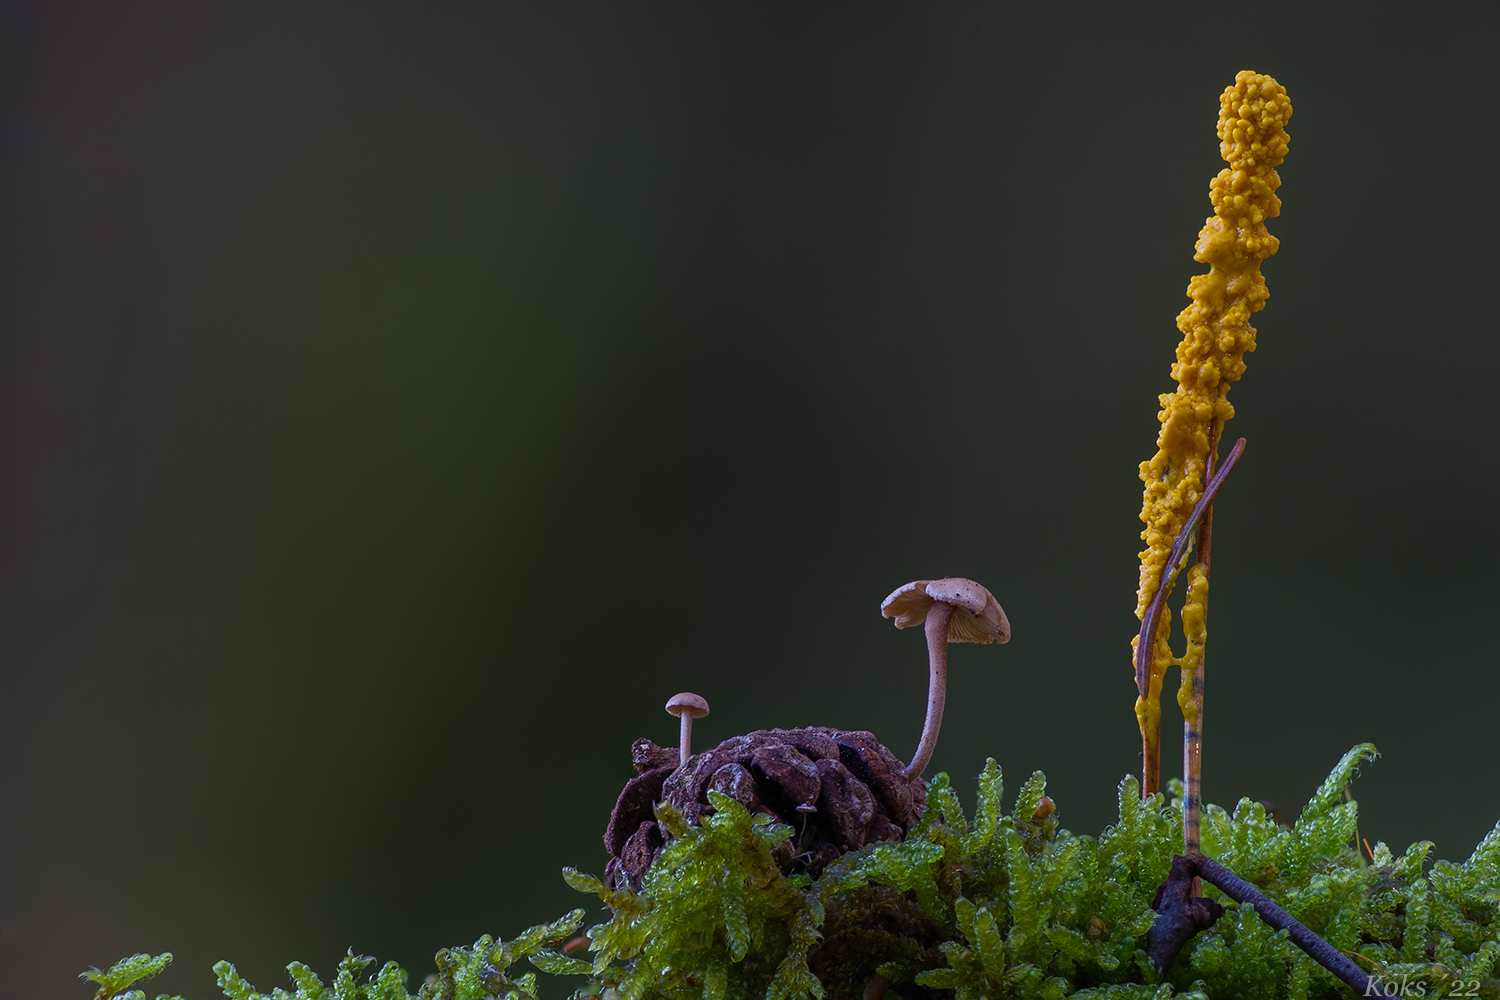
(479, 972)
(997, 905)
(1018, 907)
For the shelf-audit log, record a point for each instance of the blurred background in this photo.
(401, 401)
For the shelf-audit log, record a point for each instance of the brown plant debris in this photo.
(837, 790)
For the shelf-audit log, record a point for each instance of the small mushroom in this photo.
(955, 610)
(687, 707)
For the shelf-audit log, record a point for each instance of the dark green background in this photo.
(402, 401)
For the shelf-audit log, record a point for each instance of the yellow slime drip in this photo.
(1216, 334)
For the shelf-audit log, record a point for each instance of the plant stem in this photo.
(1145, 646)
(1192, 721)
(937, 685)
(1150, 755)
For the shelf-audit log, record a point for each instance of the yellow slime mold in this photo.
(1216, 335)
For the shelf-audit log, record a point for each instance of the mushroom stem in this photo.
(685, 737)
(937, 685)
(687, 707)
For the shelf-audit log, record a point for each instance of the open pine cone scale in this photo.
(837, 790)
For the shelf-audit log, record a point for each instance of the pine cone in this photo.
(837, 790)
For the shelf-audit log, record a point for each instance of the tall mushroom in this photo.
(687, 707)
(955, 610)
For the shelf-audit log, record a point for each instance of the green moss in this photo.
(997, 905)
(127, 972)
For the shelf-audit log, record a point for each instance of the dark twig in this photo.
(1182, 914)
(1178, 921)
(1321, 951)
(1146, 642)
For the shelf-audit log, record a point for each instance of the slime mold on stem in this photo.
(1216, 335)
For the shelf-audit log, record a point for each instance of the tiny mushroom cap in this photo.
(687, 707)
(687, 703)
(977, 616)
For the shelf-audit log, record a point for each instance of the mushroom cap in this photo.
(977, 616)
(687, 703)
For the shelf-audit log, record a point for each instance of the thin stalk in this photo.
(1192, 723)
(1150, 761)
(685, 737)
(1145, 646)
(937, 685)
